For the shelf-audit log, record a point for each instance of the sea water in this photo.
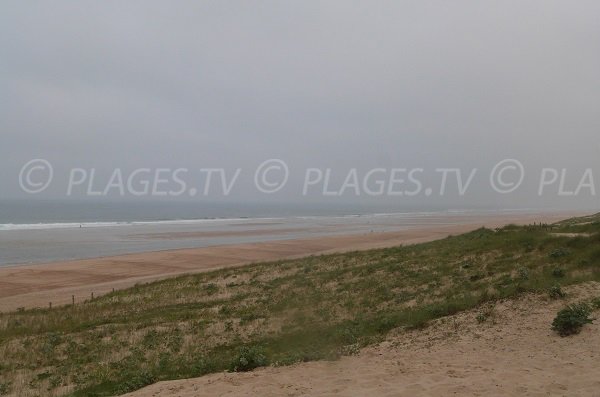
(47, 231)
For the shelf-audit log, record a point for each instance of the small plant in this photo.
(248, 359)
(4, 388)
(151, 339)
(486, 312)
(53, 340)
(556, 292)
(350, 350)
(523, 273)
(558, 272)
(559, 253)
(211, 288)
(571, 319)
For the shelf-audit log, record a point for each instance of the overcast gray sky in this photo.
(337, 84)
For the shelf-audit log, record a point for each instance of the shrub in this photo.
(556, 292)
(350, 350)
(487, 311)
(53, 340)
(211, 288)
(558, 272)
(523, 273)
(559, 253)
(571, 319)
(248, 359)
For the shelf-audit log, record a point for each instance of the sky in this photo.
(335, 84)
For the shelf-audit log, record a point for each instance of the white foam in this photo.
(76, 225)
(73, 225)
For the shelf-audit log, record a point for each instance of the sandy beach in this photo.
(37, 285)
(513, 353)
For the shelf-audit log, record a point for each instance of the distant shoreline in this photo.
(247, 220)
(33, 243)
(58, 282)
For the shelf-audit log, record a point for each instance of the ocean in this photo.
(48, 231)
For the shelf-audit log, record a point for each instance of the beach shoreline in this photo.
(60, 283)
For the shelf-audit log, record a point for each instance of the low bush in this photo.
(248, 359)
(523, 273)
(571, 319)
(559, 253)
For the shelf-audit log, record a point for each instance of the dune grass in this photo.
(281, 312)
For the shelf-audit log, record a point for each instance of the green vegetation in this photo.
(571, 319)
(556, 292)
(282, 312)
(481, 317)
(248, 359)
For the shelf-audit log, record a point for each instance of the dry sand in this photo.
(37, 285)
(513, 353)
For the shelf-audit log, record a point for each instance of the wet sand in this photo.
(37, 285)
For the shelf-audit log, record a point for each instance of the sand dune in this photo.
(513, 353)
